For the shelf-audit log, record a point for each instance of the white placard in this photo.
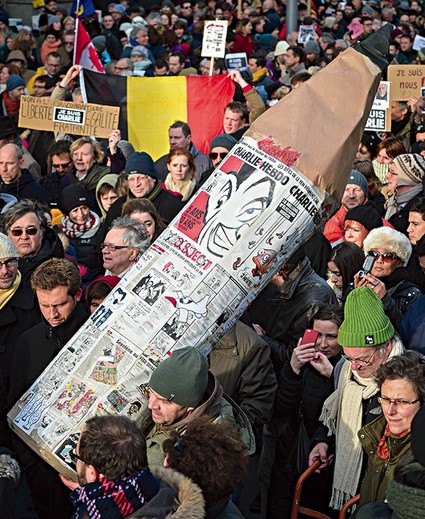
(214, 41)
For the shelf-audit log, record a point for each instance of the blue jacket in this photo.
(412, 326)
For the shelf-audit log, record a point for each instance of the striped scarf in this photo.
(114, 499)
(86, 230)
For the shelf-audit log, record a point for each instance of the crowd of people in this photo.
(325, 365)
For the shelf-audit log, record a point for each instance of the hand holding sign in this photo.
(70, 75)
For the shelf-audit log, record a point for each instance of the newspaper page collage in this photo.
(186, 290)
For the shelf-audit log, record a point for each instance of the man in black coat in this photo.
(16, 180)
(36, 348)
(143, 183)
(18, 312)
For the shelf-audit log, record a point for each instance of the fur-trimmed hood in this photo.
(9, 468)
(188, 501)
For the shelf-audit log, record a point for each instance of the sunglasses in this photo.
(31, 231)
(387, 257)
(214, 155)
(62, 166)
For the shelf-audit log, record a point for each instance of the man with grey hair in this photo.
(126, 241)
(15, 179)
(124, 67)
(139, 35)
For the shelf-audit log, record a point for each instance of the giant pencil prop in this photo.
(213, 259)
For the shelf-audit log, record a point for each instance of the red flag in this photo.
(85, 54)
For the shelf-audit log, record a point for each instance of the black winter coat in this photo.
(51, 248)
(284, 313)
(18, 315)
(26, 187)
(167, 205)
(37, 347)
(89, 253)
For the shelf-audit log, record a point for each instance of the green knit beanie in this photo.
(365, 324)
(181, 378)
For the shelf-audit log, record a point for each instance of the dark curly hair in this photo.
(410, 366)
(210, 454)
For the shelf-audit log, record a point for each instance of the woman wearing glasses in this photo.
(388, 277)
(401, 382)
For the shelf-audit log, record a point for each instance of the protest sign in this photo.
(189, 288)
(380, 116)
(40, 113)
(237, 60)
(306, 33)
(406, 81)
(214, 40)
(418, 42)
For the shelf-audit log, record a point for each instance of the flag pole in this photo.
(77, 20)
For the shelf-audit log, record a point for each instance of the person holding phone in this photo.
(388, 277)
(368, 340)
(304, 383)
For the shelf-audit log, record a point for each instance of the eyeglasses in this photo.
(30, 231)
(133, 176)
(114, 247)
(74, 456)
(121, 68)
(361, 362)
(398, 403)
(214, 155)
(387, 257)
(62, 166)
(9, 263)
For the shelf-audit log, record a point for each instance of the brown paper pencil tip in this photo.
(375, 47)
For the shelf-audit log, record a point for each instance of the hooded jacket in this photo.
(214, 405)
(241, 362)
(187, 501)
(111, 180)
(26, 187)
(90, 181)
(19, 55)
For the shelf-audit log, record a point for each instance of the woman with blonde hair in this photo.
(87, 156)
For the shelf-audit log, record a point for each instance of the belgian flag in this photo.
(149, 106)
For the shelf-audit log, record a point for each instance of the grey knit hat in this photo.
(7, 247)
(390, 240)
(410, 168)
(365, 324)
(223, 141)
(182, 378)
(359, 180)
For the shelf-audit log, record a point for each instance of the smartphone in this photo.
(367, 266)
(309, 337)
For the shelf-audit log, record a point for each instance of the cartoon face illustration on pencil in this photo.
(234, 208)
